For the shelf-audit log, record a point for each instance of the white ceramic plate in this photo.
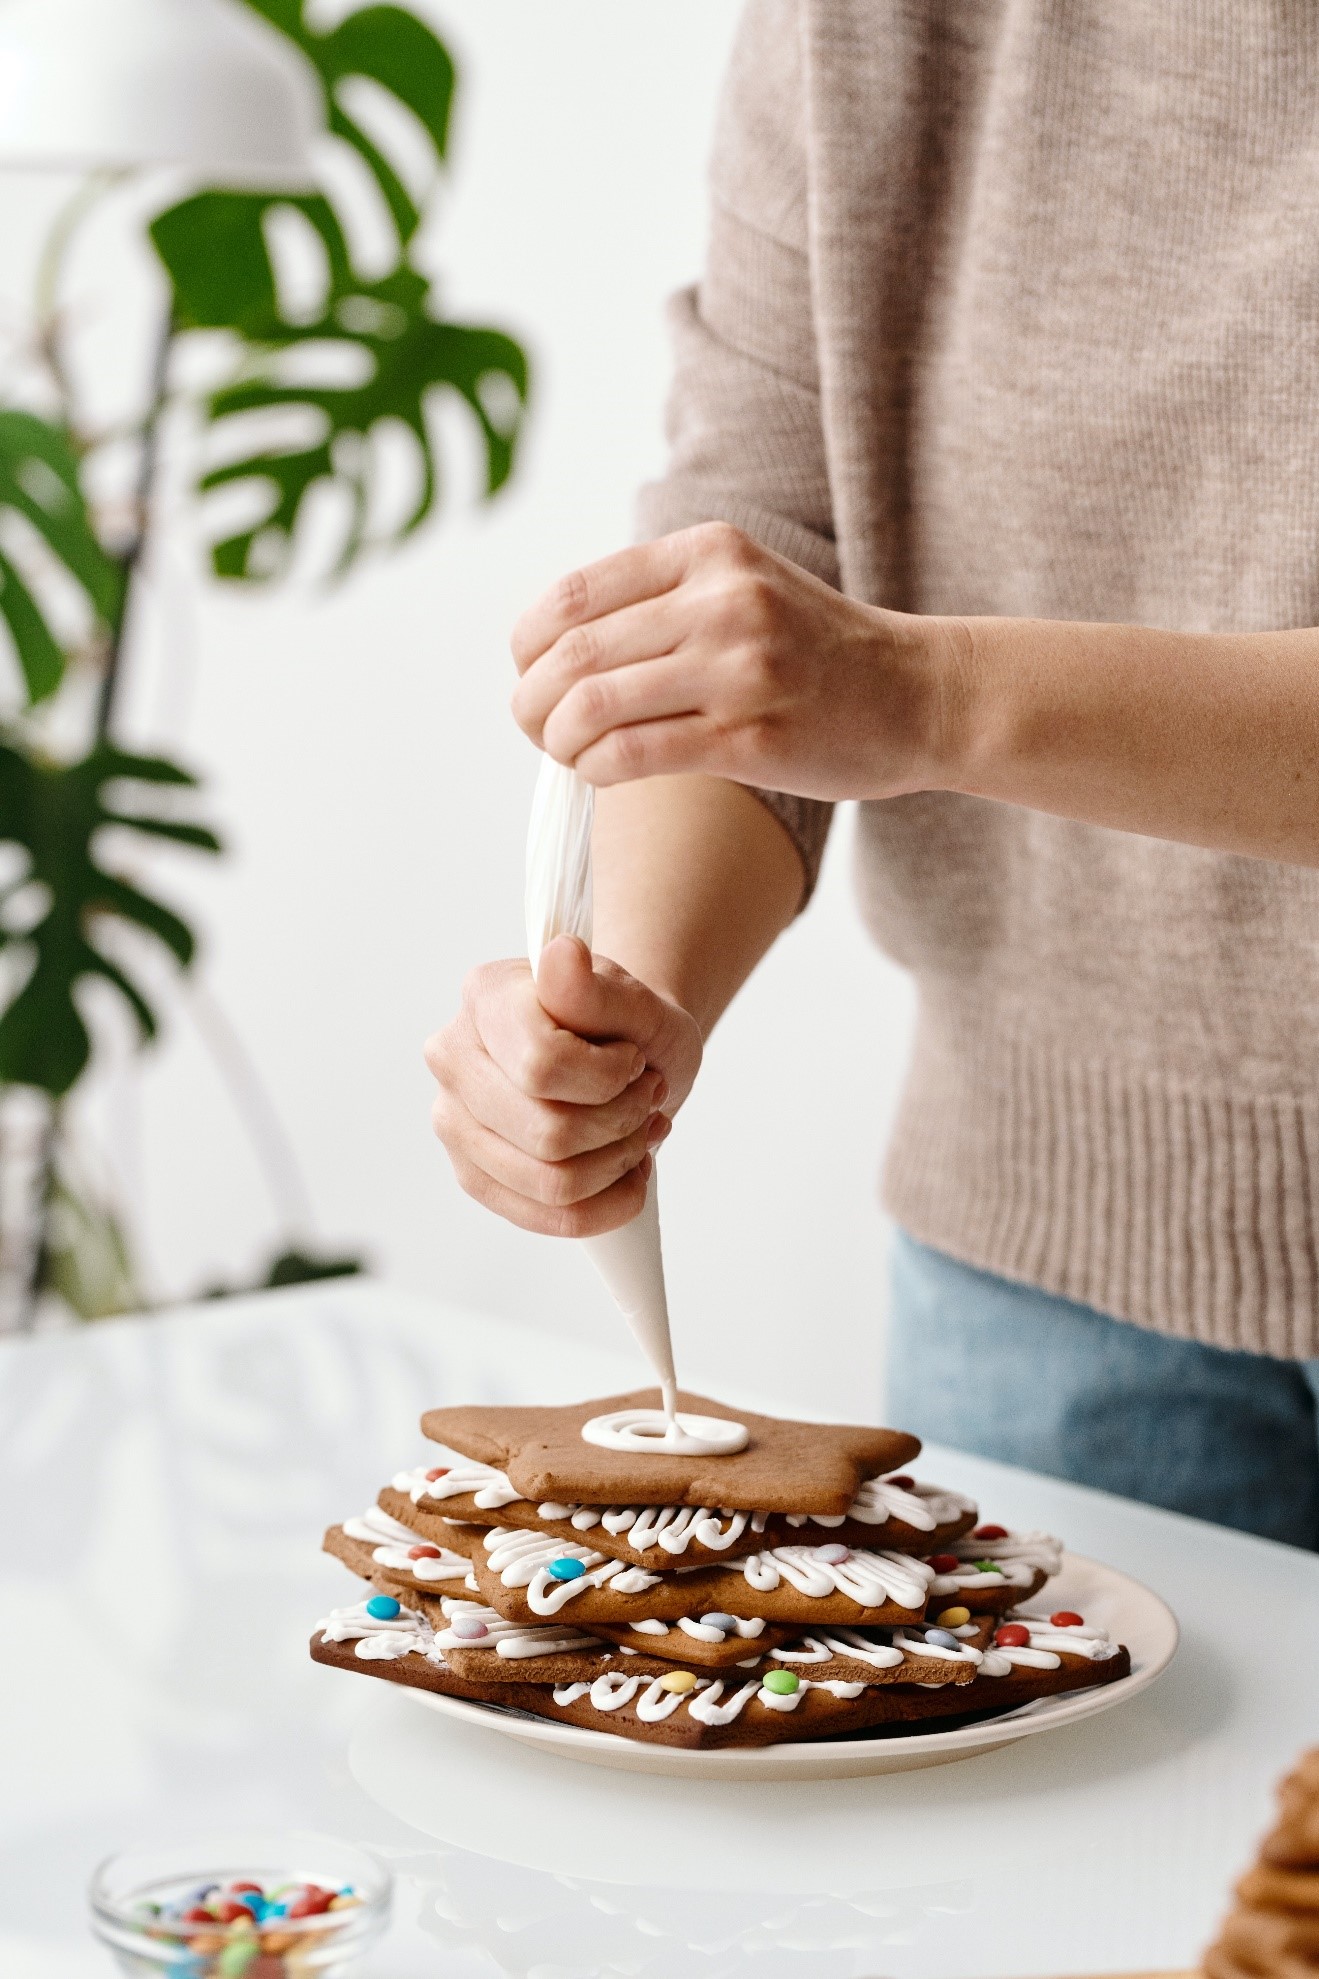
(1131, 1613)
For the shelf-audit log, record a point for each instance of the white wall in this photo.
(374, 790)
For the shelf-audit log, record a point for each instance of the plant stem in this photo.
(135, 549)
(41, 1200)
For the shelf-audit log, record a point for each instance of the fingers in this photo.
(621, 639)
(681, 745)
(550, 1130)
(542, 1057)
(609, 1211)
(647, 570)
(596, 999)
(657, 691)
(555, 1184)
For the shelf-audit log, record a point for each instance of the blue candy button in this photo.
(382, 1607)
(941, 1638)
(565, 1569)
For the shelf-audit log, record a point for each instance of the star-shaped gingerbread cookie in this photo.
(785, 1467)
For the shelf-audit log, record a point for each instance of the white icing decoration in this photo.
(392, 1542)
(923, 1507)
(869, 1579)
(1039, 1550)
(1006, 1573)
(1042, 1652)
(510, 1640)
(381, 1640)
(650, 1432)
(522, 1559)
(490, 1489)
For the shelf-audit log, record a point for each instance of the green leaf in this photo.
(85, 1258)
(215, 251)
(53, 813)
(388, 46)
(39, 481)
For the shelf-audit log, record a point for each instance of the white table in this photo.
(163, 1487)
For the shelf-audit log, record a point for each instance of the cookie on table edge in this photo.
(786, 1466)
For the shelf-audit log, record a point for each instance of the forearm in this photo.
(694, 879)
(1212, 739)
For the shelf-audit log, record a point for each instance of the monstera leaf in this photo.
(39, 482)
(388, 47)
(216, 250)
(53, 813)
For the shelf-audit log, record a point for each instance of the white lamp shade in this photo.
(121, 83)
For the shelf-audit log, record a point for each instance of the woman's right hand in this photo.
(551, 1093)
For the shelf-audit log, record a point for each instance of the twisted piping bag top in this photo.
(630, 1260)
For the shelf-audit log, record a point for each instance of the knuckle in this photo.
(553, 1139)
(593, 698)
(536, 1067)
(572, 594)
(434, 1051)
(580, 649)
(630, 751)
(721, 540)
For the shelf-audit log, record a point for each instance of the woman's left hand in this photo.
(704, 653)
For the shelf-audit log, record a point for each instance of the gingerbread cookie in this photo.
(528, 1578)
(380, 1549)
(784, 1467)
(896, 1513)
(993, 1569)
(714, 1640)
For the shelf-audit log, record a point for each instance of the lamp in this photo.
(114, 84)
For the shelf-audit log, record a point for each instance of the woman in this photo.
(993, 504)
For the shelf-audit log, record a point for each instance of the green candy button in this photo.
(986, 1566)
(782, 1682)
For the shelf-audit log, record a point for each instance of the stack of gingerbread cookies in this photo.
(804, 1587)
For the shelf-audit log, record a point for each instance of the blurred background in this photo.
(350, 732)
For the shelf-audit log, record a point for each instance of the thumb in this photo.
(595, 1000)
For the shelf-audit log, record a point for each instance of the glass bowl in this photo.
(141, 1900)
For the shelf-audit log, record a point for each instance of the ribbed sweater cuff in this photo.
(1189, 1210)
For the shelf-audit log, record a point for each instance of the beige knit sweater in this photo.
(1012, 306)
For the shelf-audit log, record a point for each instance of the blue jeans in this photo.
(1015, 1373)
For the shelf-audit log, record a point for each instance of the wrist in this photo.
(944, 670)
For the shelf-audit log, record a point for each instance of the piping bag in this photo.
(558, 902)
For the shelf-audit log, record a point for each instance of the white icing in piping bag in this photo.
(630, 1260)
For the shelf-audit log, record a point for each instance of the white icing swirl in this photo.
(1039, 1550)
(378, 1639)
(522, 1559)
(509, 1640)
(1046, 1647)
(1006, 1573)
(393, 1544)
(923, 1507)
(869, 1579)
(489, 1488)
(652, 1433)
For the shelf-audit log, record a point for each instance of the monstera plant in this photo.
(73, 907)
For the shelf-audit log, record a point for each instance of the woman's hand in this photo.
(552, 1094)
(703, 652)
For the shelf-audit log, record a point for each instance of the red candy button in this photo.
(245, 1890)
(1012, 1636)
(424, 1553)
(903, 1483)
(198, 1915)
(226, 1911)
(311, 1904)
(991, 1532)
(443, 1471)
(1066, 1618)
(945, 1563)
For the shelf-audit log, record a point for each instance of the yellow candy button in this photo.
(680, 1680)
(953, 1618)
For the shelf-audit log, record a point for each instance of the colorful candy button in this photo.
(469, 1630)
(383, 1607)
(441, 1470)
(782, 1682)
(904, 1483)
(424, 1553)
(987, 1567)
(1012, 1636)
(941, 1638)
(1067, 1618)
(954, 1618)
(944, 1563)
(680, 1681)
(717, 1619)
(833, 1553)
(565, 1568)
(990, 1532)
